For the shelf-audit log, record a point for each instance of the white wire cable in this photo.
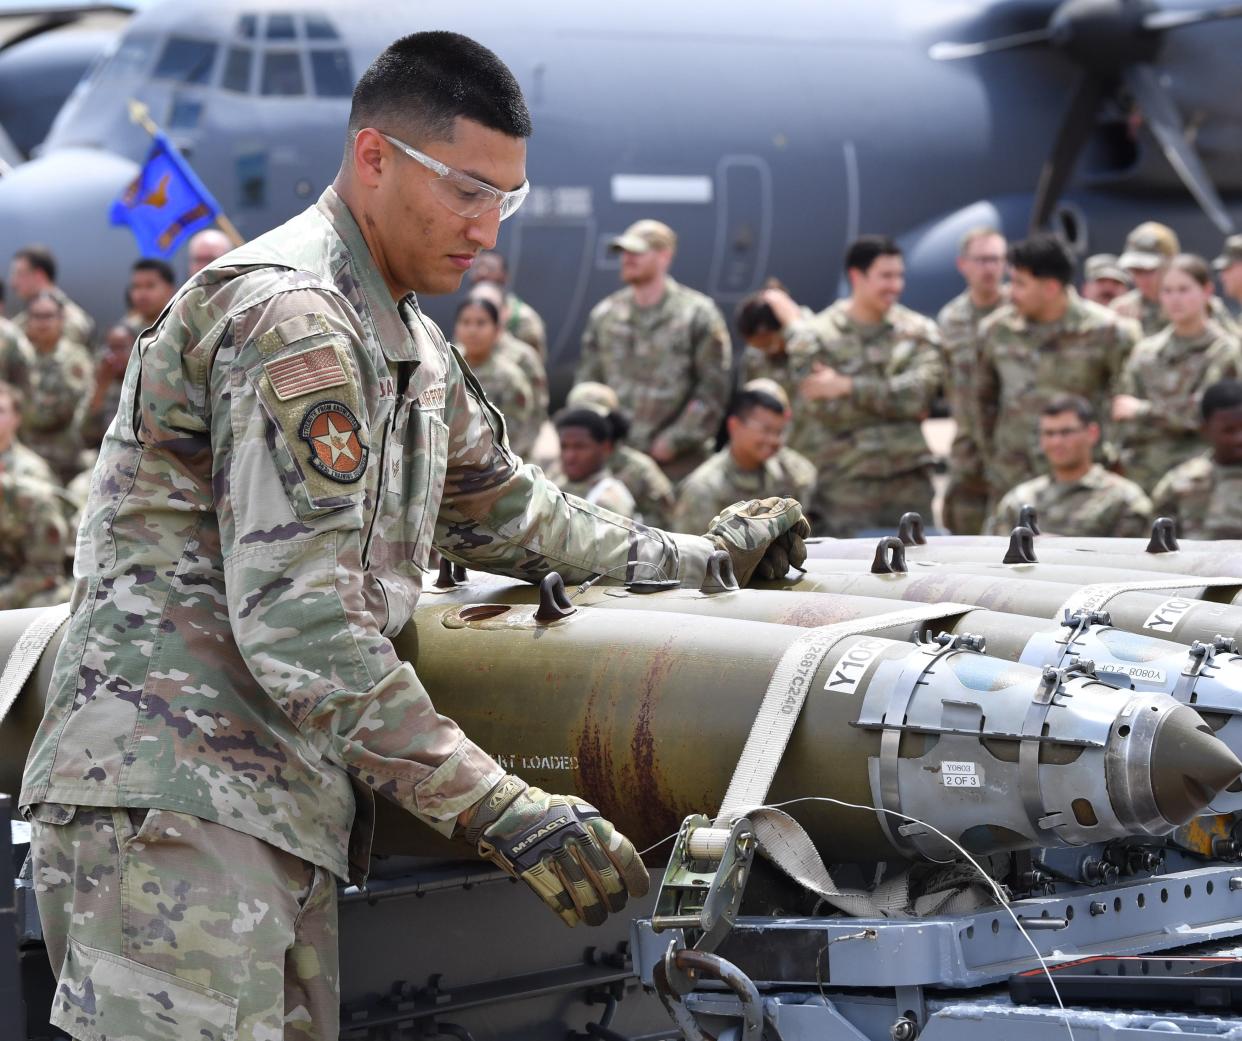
(996, 890)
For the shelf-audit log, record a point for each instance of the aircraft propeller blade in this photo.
(1076, 127)
(1158, 21)
(1161, 115)
(945, 51)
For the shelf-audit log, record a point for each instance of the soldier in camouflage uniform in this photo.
(476, 332)
(61, 383)
(33, 271)
(767, 349)
(1204, 495)
(753, 465)
(15, 355)
(1229, 266)
(109, 373)
(1046, 341)
(586, 448)
(521, 320)
(641, 475)
(867, 370)
(226, 700)
(981, 262)
(1104, 279)
(33, 544)
(517, 351)
(664, 349)
(1149, 249)
(1156, 414)
(1077, 496)
(15, 457)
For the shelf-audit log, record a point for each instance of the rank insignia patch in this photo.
(331, 431)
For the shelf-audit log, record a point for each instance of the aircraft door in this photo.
(743, 226)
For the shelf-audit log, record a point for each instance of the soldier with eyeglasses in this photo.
(292, 438)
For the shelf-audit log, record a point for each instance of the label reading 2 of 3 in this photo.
(960, 775)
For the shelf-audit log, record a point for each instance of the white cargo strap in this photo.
(27, 652)
(779, 836)
(1095, 597)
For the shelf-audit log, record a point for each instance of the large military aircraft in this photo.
(767, 136)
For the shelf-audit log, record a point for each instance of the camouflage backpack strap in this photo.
(27, 652)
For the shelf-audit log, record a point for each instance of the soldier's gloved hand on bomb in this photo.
(763, 537)
(559, 845)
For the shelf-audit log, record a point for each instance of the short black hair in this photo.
(1044, 255)
(478, 301)
(422, 82)
(746, 401)
(864, 251)
(14, 394)
(160, 267)
(600, 429)
(1074, 403)
(1220, 397)
(40, 258)
(755, 315)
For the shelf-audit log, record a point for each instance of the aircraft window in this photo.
(186, 60)
(282, 73)
(252, 180)
(185, 114)
(247, 26)
(332, 73)
(237, 70)
(280, 27)
(318, 27)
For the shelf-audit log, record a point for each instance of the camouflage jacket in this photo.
(605, 491)
(1219, 312)
(1098, 503)
(646, 482)
(290, 444)
(668, 363)
(21, 461)
(756, 365)
(524, 356)
(510, 391)
(524, 323)
(720, 482)
(79, 326)
(61, 383)
(1148, 313)
(33, 542)
(958, 322)
(1022, 365)
(1169, 375)
(15, 356)
(1203, 498)
(895, 365)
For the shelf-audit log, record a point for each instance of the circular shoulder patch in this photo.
(331, 431)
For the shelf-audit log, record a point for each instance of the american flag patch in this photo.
(316, 368)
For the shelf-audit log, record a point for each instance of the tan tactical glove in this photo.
(762, 536)
(559, 845)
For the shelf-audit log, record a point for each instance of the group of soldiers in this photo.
(60, 384)
(1103, 406)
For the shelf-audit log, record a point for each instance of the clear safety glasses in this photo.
(464, 195)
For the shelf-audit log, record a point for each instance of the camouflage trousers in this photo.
(846, 506)
(165, 927)
(965, 504)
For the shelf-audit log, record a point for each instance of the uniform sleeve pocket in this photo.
(102, 995)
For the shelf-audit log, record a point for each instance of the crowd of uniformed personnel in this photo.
(1102, 406)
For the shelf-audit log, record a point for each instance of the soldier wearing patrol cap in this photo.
(293, 437)
(1229, 268)
(663, 348)
(1149, 248)
(1104, 279)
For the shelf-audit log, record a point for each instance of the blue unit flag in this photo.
(165, 203)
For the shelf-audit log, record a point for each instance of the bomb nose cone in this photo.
(1190, 766)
